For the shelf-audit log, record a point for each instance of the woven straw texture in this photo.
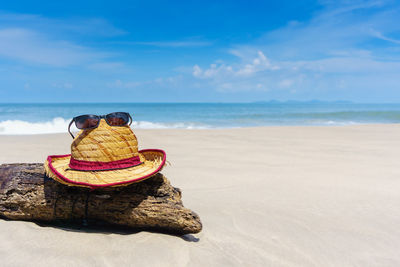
(152, 163)
(105, 144)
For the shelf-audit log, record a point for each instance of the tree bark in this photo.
(27, 194)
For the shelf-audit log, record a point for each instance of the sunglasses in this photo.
(84, 122)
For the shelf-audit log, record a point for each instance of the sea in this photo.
(40, 118)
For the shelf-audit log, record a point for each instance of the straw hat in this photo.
(105, 156)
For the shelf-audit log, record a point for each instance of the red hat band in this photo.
(83, 165)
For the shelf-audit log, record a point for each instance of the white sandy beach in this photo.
(271, 196)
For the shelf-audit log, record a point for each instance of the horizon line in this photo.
(316, 101)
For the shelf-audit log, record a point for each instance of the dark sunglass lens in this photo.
(86, 121)
(117, 118)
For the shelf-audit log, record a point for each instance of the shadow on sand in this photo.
(100, 228)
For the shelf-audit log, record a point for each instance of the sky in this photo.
(199, 51)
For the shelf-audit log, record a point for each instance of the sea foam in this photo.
(60, 125)
(14, 127)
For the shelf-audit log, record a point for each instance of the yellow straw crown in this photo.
(105, 144)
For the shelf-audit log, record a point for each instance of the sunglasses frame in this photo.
(97, 125)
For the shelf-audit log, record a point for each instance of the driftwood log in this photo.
(27, 194)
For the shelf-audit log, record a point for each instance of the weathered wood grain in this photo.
(27, 194)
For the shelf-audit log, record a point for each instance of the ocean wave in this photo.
(60, 125)
(330, 122)
(174, 125)
(14, 127)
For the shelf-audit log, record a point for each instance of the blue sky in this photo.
(199, 51)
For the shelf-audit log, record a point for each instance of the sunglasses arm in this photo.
(69, 126)
(131, 120)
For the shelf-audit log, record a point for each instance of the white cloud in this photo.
(34, 39)
(33, 47)
(159, 82)
(352, 25)
(260, 63)
(84, 26)
(335, 49)
(197, 71)
(379, 35)
(247, 67)
(213, 71)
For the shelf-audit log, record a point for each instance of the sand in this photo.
(271, 196)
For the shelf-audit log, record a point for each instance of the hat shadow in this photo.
(82, 210)
(81, 135)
